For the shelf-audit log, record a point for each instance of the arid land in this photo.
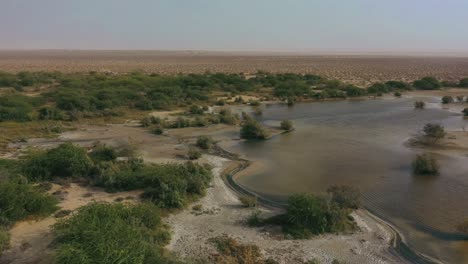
(355, 69)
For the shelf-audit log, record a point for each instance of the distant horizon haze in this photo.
(299, 26)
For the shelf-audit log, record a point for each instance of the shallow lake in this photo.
(362, 143)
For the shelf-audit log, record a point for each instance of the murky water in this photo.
(361, 143)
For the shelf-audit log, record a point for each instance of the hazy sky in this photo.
(293, 25)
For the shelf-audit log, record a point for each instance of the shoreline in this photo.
(398, 241)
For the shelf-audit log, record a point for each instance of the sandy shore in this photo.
(225, 215)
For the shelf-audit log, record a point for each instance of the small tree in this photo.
(287, 125)
(434, 132)
(447, 99)
(251, 129)
(204, 142)
(425, 165)
(419, 105)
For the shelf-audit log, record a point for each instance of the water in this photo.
(361, 143)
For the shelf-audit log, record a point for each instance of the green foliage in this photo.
(397, 94)
(419, 105)
(433, 132)
(17, 107)
(49, 113)
(425, 165)
(308, 214)
(465, 111)
(397, 85)
(248, 200)
(193, 154)
(204, 142)
(196, 110)
(102, 153)
(158, 130)
(345, 196)
(463, 83)
(353, 91)
(67, 160)
(231, 251)
(427, 83)
(19, 201)
(111, 233)
(167, 185)
(447, 99)
(287, 125)
(4, 239)
(254, 219)
(251, 129)
(378, 88)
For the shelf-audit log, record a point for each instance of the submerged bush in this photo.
(425, 165)
(419, 105)
(111, 233)
(433, 132)
(19, 201)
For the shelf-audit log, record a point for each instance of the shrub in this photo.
(377, 88)
(196, 110)
(226, 117)
(145, 121)
(419, 105)
(231, 251)
(460, 98)
(111, 233)
(19, 200)
(48, 113)
(397, 94)
(254, 103)
(427, 83)
(254, 219)
(425, 165)
(287, 125)
(248, 201)
(353, 91)
(4, 239)
(66, 160)
(251, 129)
(447, 99)
(193, 154)
(433, 132)
(103, 153)
(345, 196)
(308, 214)
(204, 142)
(291, 101)
(392, 85)
(465, 111)
(463, 83)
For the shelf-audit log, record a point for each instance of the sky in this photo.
(237, 25)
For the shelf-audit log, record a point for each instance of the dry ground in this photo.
(357, 69)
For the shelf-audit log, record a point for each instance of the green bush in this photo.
(66, 160)
(204, 142)
(425, 165)
(447, 99)
(19, 201)
(103, 153)
(167, 185)
(111, 233)
(287, 125)
(427, 83)
(4, 239)
(251, 129)
(465, 111)
(433, 132)
(397, 94)
(193, 154)
(463, 83)
(248, 200)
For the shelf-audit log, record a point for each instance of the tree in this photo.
(447, 99)
(434, 132)
(251, 129)
(287, 125)
(425, 165)
(427, 83)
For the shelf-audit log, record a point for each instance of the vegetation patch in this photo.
(111, 233)
(425, 165)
